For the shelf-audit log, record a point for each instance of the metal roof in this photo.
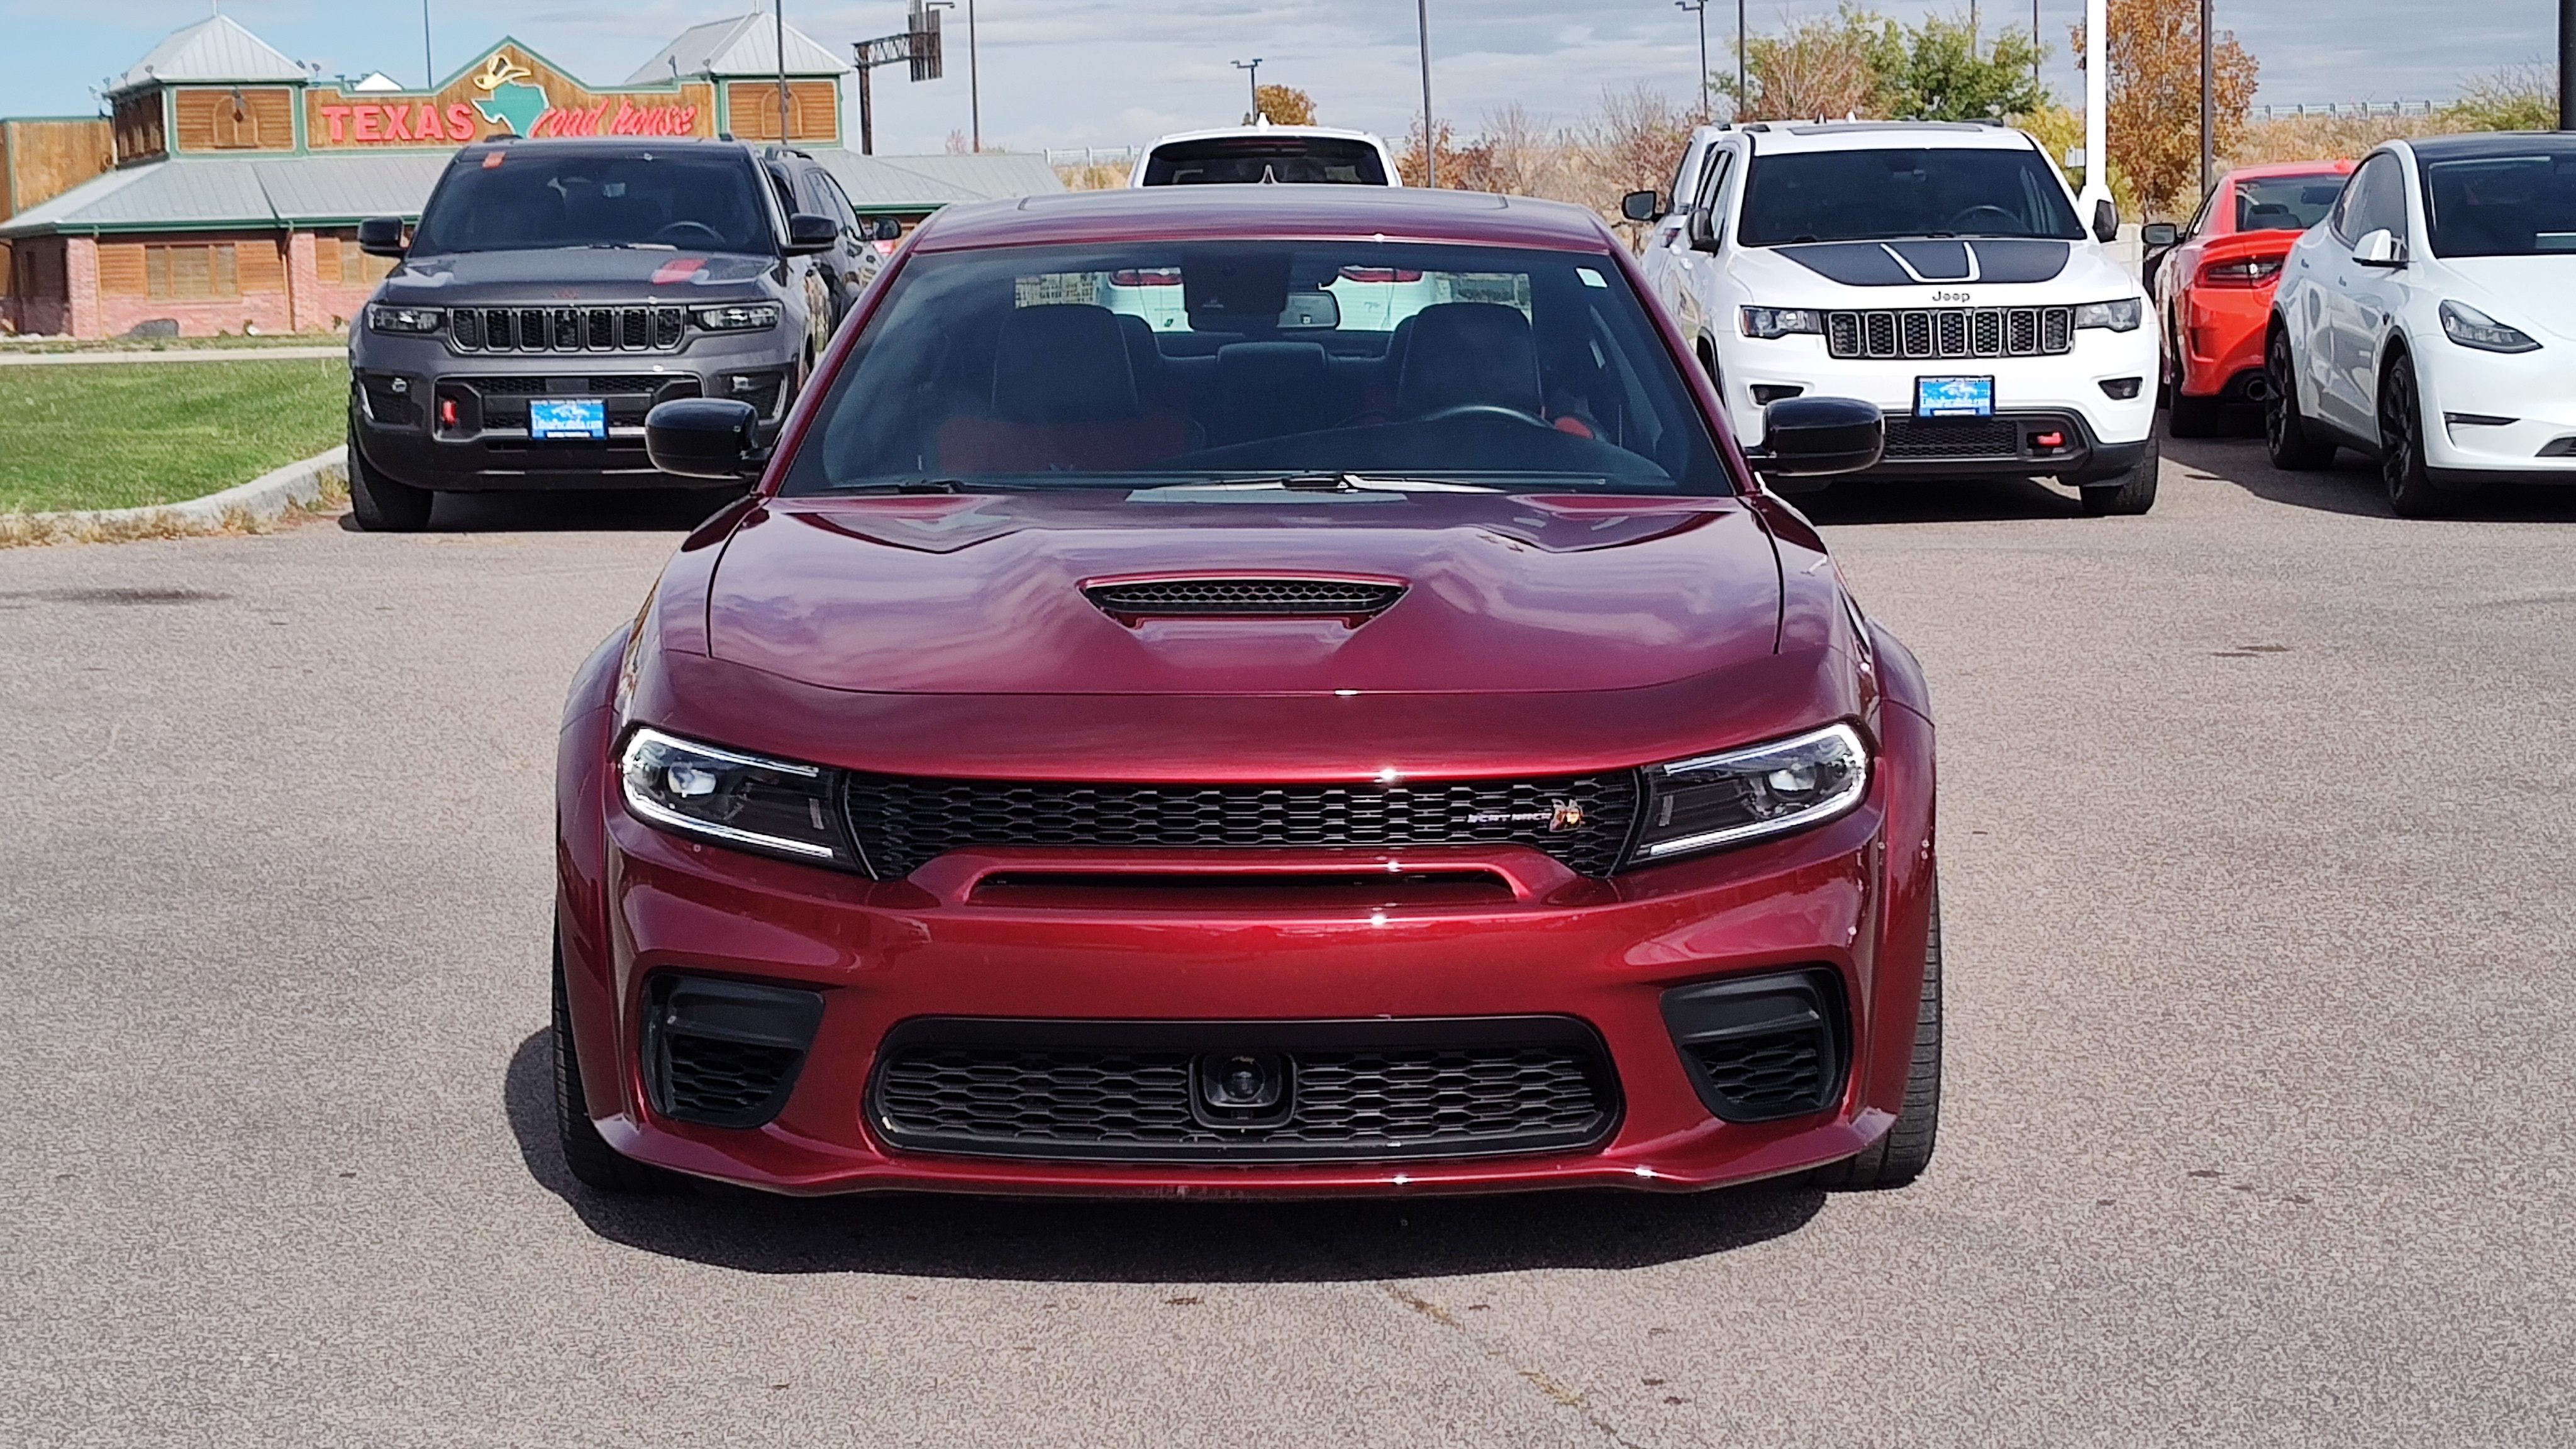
(214, 50)
(921, 183)
(238, 192)
(746, 45)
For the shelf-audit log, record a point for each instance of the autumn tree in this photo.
(2154, 125)
(1816, 67)
(1637, 142)
(1939, 71)
(1445, 150)
(1284, 105)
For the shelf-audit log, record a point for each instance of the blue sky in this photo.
(1116, 72)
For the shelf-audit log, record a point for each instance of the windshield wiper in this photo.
(1337, 482)
(921, 485)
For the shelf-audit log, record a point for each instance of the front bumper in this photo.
(2465, 390)
(1598, 959)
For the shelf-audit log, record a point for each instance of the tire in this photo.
(2411, 492)
(2288, 436)
(2195, 417)
(2129, 493)
(380, 504)
(1900, 1157)
(593, 1162)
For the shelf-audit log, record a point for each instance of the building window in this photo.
(184, 272)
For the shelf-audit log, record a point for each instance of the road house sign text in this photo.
(508, 92)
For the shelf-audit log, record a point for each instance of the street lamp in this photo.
(2208, 106)
(1430, 143)
(1699, 8)
(1253, 66)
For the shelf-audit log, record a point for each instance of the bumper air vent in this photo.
(1135, 599)
(1762, 1048)
(725, 1053)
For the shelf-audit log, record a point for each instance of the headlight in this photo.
(2120, 316)
(776, 806)
(1742, 795)
(2469, 327)
(736, 316)
(384, 318)
(1769, 322)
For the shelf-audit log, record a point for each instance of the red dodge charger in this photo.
(1261, 690)
(2213, 289)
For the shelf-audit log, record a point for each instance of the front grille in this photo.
(1366, 1090)
(724, 1053)
(1952, 332)
(1199, 598)
(1764, 1047)
(1968, 438)
(902, 822)
(1767, 1076)
(710, 1080)
(566, 329)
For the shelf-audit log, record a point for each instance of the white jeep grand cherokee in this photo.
(1935, 269)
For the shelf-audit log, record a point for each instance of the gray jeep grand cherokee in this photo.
(554, 291)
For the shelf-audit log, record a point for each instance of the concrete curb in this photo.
(249, 505)
(176, 354)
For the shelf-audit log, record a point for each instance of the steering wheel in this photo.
(1469, 410)
(688, 230)
(1960, 222)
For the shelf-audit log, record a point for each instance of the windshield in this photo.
(2502, 206)
(1154, 363)
(1254, 159)
(2286, 203)
(1824, 196)
(537, 196)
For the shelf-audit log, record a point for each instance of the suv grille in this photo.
(1199, 598)
(902, 822)
(566, 329)
(1956, 332)
(1381, 1089)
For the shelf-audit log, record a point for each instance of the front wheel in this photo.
(593, 1162)
(2288, 436)
(1900, 1157)
(2130, 493)
(380, 504)
(2411, 491)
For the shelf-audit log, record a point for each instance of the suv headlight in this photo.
(1774, 322)
(736, 316)
(1727, 799)
(2469, 327)
(2120, 316)
(776, 806)
(384, 317)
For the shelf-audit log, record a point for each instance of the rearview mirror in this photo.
(1812, 437)
(704, 437)
(2159, 234)
(2106, 220)
(1642, 205)
(808, 234)
(1310, 311)
(381, 236)
(2380, 248)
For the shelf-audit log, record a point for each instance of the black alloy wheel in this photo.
(2411, 491)
(2288, 437)
(2130, 493)
(1900, 1157)
(593, 1162)
(380, 504)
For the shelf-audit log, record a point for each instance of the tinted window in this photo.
(541, 196)
(2506, 206)
(1869, 195)
(1255, 159)
(2378, 200)
(1159, 363)
(2285, 203)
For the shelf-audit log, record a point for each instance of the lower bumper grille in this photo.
(725, 1053)
(1952, 438)
(1347, 1090)
(1765, 1047)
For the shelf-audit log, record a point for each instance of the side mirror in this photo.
(1812, 437)
(703, 437)
(808, 234)
(1642, 205)
(381, 236)
(2106, 220)
(2380, 248)
(2159, 234)
(1703, 229)
(887, 229)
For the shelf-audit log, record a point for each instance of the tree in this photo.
(1637, 144)
(2516, 98)
(1935, 72)
(1284, 105)
(1814, 68)
(1408, 162)
(2154, 125)
(2060, 133)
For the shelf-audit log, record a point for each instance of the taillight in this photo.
(1380, 274)
(1146, 277)
(2245, 272)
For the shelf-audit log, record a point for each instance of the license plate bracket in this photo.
(1954, 397)
(580, 418)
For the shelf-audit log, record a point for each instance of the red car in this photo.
(1128, 746)
(2213, 289)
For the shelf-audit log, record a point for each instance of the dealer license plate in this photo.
(1954, 397)
(567, 417)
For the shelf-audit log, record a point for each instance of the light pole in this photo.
(1253, 67)
(1741, 94)
(427, 63)
(1699, 8)
(1430, 143)
(2567, 65)
(2034, 46)
(2208, 106)
(974, 82)
(2097, 108)
(778, 9)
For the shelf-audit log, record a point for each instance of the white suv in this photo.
(1937, 270)
(1262, 152)
(2429, 319)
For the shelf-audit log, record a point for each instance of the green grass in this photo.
(120, 435)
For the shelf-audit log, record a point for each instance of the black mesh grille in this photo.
(904, 821)
(1358, 1099)
(565, 329)
(1768, 1075)
(384, 403)
(1957, 332)
(713, 1081)
(1200, 597)
(1971, 438)
(595, 385)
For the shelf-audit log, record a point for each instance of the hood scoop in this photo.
(1352, 600)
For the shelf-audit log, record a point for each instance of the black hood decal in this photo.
(1917, 263)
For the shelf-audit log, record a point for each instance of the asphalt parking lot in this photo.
(2257, 831)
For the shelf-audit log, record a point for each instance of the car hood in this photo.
(1991, 271)
(2526, 292)
(573, 274)
(985, 594)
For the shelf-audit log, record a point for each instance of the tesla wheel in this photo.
(380, 504)
(2195, 417)
(2129, 493)
(1900, 1157)
(2411, 492)
(2287, 435)
(593, 1162)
